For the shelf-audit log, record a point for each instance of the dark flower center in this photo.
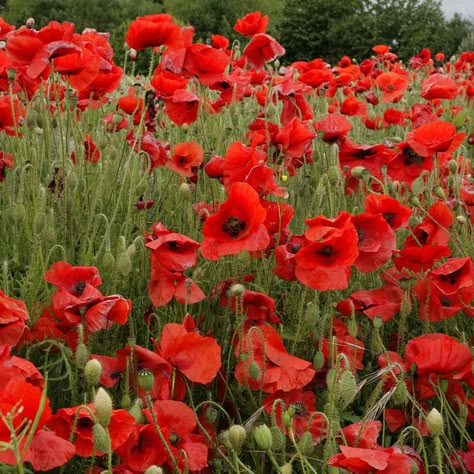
(79, 287)
(445, 301)
(389, 217)
(300, 409)
(411, 157)
(85, 423)
(233, 226)
(326, 251)
(361, 154)
(174, 439)
(452, 278)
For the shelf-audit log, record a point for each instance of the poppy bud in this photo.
(154, 470)
(185, 190)
(99, 437)
(333, 175)
(438, 191)
(39, 223)
(278, 439)
(434, 422)
(357, 171)
(124, 264)
(443, 385)
(117, 118)
(237, 289)
(331, 377)
(131, 250)
(453, 166)
(254, 370)
(347, 387)
(244, 357)
(145, 379)
(185, 127)
(352, 327)
(366, 175)
(237, 436)
(18, 213)
(400, 395)
(11, 74)
(414, 201)
(305, 444)
(136, 412)
(461, 219)
(318, 361)
(286, 419)
(30, 23)
(377, 322)
(108, 261)
(103, 406)
(82, 355)
(126, 401)
(92, 372)
(286, 468)
(132, 54)
(263, 437)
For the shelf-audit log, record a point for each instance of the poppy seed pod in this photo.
(263, 437)
(145, 379)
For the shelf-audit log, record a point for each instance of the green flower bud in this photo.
(185, 190)
(286, 468)
(318, 361)
(305, 444)
(377, 322)
(400, 395)
(414, 201)
(357, 171)
(347, 387)
(92, 372)
(103, 406)
(131, 250)
(438, 191)
(108, 261)
(278, 439)
(154, 470)
(254, 370)
(82, 355)
(434, 422)
(263, 437)
(99, 436)
(136, 412)
(237, 437)
(286, 419)
(333, 175)
(145, 379)
(124, 264)
(126, 401)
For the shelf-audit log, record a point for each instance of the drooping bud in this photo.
(99, 436)
(439, 192)
(136, 412)
(103, 406)
(278, 439)
(254, 370)
(92, 372)
(305, 444)
(263, 437)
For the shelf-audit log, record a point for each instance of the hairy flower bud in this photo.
(263, 437)
(103, 406)
(434, 422)
(99, 436)
(237, 436)
(92, 372)
(305, 444)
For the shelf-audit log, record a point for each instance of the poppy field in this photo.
(228, 263)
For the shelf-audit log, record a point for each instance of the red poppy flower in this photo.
(182, 107)
(91, 153)
(333, 127)
(420, 259)
(295, 138)
(11, 111)
(407, 165)
(392, 211)
(394, 117)
(195, 356)
(438, 86)
(120, 428)
(453, 275)
(5, 28)
(434, 137)
(304, 419)
(352, 106)
(177, 423)
(277, 370)
(220, 42)
(166, 82)
(362, 434)
(262, 48)
(237, 226)
(157, 151)
(6, 161)
(285, 256)
(392, 85)
(154, 31)
(376, 241)
(384, 302)
(13, 316)
(251, 24)
(186, 158)
(439, 354)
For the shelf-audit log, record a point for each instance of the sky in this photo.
(465, 7)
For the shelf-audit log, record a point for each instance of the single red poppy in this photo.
(182, 107)
(251, 24)
(333, 127)
(439, 86)
(237, 226)
(392, 211)
(166, 82)
(362, 434)
(13, 318)
(156, 150)
(434, 137)
(5, 28)
(91, 153)
(220, 42)
(187, 157)
(6, 161)
(13, 367)
(453, 275)
(276, 369)
(407, 164)
(262, 48)
(285, 257)
(353, 106)
(154, 31)
(295, 138)
(420, 259)
(392, 85)
(12, 113)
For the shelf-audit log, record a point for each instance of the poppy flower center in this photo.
(412, 158)
(361, 154)
(85, 423)
(300, 409)
(452, 278)
(174, 439)
(445, 302)
(326, 251)
(389, 217)
(233, 226)
(79, 287)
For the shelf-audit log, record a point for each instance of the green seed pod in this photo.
(99, 436)
(263, 437)
(306, 444)
(92, 372)
(145, 379)
(278, 439)
(124, 264)
(103, 406)
(254, 370)
(211, 414)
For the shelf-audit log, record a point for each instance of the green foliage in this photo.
(322, 28)
(217, 17)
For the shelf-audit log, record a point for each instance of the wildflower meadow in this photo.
(228, 263)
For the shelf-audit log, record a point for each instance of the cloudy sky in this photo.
(465, 7)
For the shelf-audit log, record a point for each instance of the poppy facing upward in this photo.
(237, 226)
